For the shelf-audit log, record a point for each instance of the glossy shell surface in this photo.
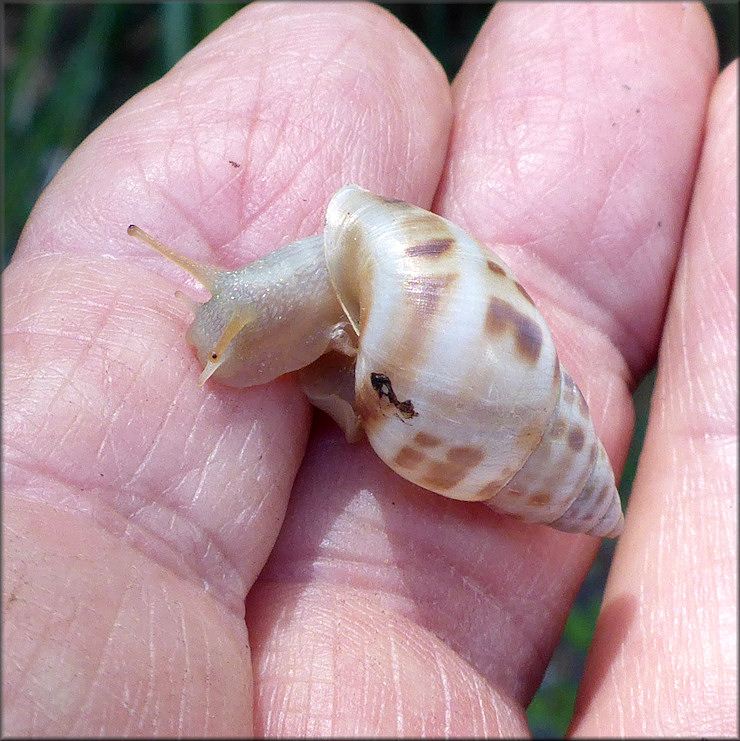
(490, 414)
(402, 326)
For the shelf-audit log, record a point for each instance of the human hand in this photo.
(140, 510)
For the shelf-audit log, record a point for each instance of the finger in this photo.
(583, 157)
(380, 607)
(360, 549)
(142, 507)
(664, 659)
(582, 183)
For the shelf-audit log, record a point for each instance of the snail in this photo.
(401, 327)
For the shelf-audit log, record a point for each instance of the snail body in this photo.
(403, 327)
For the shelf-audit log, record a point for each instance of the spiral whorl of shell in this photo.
(458, 384)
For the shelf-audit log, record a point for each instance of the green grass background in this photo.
(69, 66)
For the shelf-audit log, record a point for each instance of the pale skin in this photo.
(142, 513)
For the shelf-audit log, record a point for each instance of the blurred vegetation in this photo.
(69, 66)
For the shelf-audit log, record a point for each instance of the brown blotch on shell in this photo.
(430, 248)
(425, 292)
(466, 456)
(459, 462)
(443, 476)
(576, 438)
(495, 268)
(523, 291)
(594, 453)
(409, 458)
(497, 317)
(540, 500)
(425, 440)
(527, 333)
(424, 299)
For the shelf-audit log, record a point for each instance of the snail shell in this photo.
(402, 326)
